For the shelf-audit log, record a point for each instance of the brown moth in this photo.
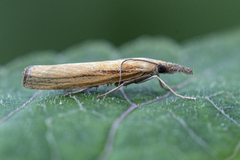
(92, 74)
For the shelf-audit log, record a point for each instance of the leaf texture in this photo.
(141, 121)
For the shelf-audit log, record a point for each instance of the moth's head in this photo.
(169, 68)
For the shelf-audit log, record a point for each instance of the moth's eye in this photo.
(161, 68)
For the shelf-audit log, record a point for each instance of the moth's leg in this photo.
(162, 86)
(144, 80)
(97, 87)
(84, 89)
(125, 83)
(171, 88)
(111, 90)
(160, 83)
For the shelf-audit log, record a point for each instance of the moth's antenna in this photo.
(131, 59)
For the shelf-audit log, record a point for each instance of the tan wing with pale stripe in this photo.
(80, 75)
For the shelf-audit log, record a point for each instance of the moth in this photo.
(120, 72)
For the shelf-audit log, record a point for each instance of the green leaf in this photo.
(47, 125)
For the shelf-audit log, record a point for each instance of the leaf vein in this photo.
(18, 109)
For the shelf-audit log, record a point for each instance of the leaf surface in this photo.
(45, 125)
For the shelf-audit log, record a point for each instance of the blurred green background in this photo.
(28, 26)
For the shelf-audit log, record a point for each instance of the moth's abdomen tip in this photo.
(26, 76)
